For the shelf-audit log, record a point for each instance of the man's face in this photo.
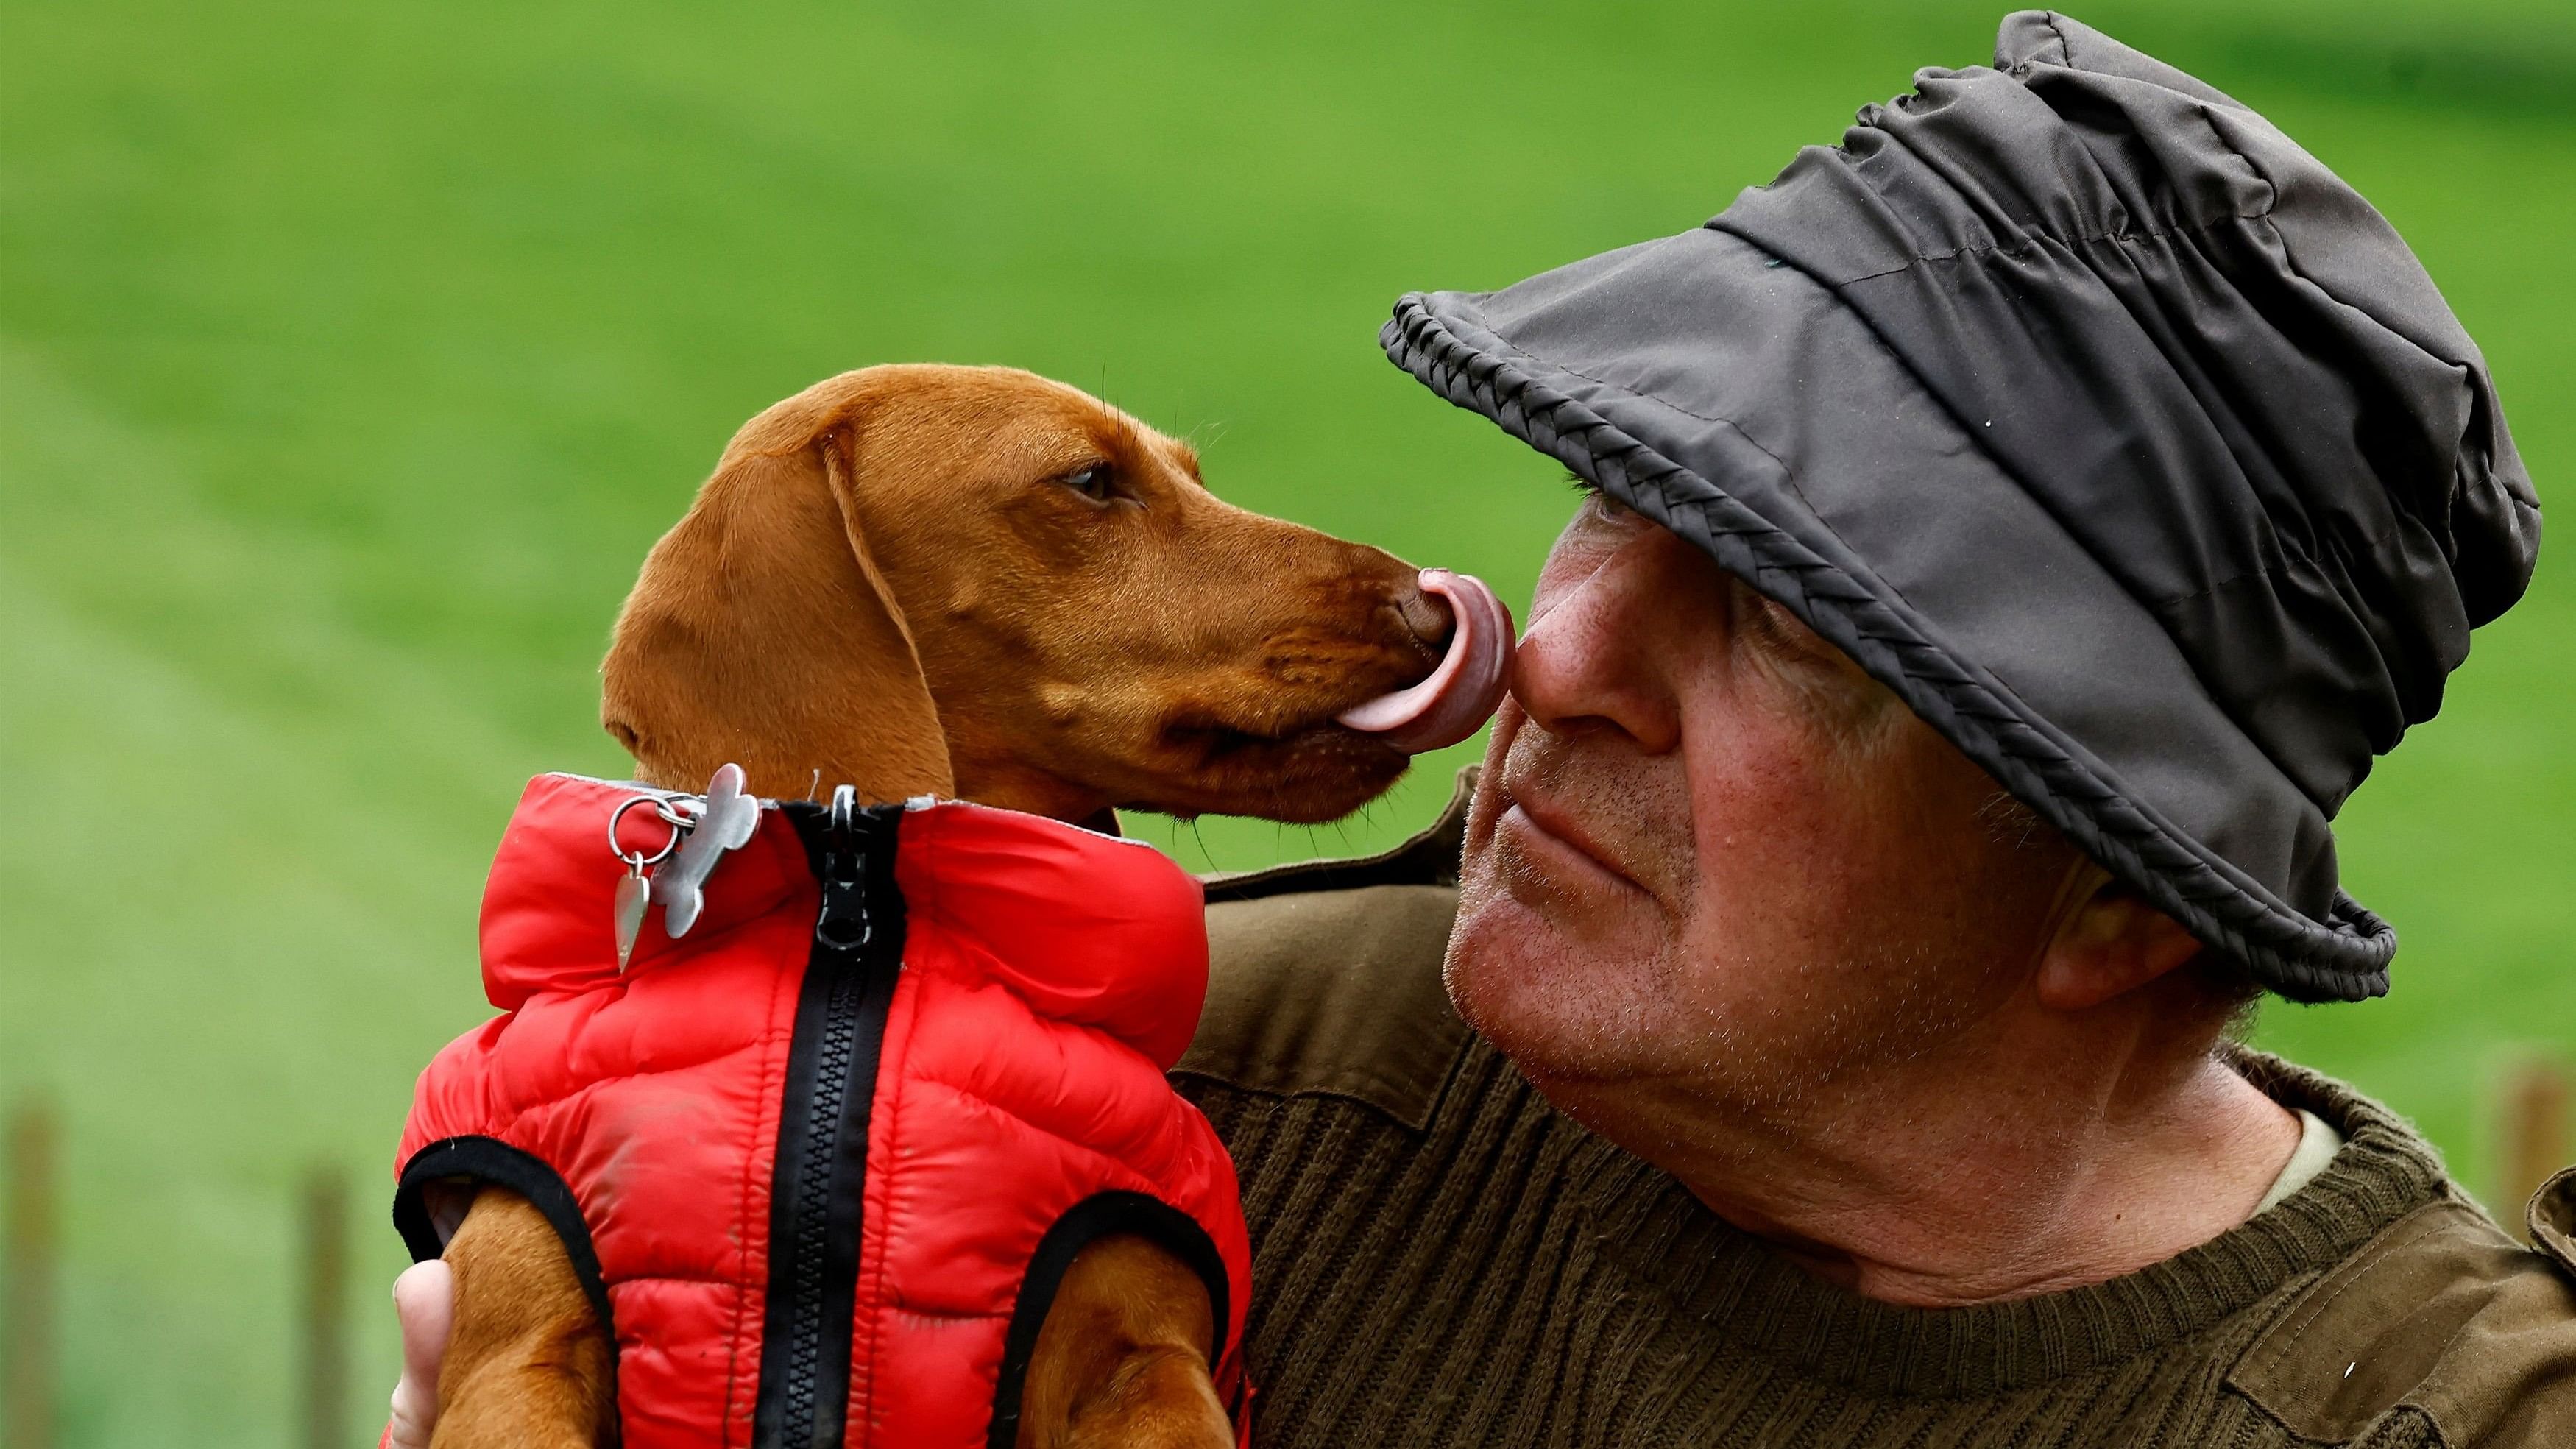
(1707, 851)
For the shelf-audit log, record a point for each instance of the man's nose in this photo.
(1599, 656)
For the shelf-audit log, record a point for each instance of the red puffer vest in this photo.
(822, 1161)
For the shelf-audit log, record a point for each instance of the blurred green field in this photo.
(350, 358)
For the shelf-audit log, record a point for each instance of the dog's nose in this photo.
(1426, 614)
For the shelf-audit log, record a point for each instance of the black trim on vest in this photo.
(1102, 1215)
(821, 1164)
(493, 1161)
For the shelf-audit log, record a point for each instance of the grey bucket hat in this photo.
(2105, 425)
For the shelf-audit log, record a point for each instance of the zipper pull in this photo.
(843, 924)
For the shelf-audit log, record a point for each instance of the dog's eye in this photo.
(1096, 483)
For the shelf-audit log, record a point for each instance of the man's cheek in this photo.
(1778, 855)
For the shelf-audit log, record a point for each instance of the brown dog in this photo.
(1002, 590)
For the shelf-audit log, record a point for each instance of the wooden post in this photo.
(2532, 1136)
(27, 1261)
(325, 1383)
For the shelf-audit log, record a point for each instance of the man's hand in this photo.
(425, 1303)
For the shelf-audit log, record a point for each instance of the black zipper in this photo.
(822, 1160)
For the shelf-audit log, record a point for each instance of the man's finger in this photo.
(425, 1304)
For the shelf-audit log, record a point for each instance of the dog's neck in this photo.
(1081, 811)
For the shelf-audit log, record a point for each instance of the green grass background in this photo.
(352, 355)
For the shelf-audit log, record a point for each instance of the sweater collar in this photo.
(1756, 1299)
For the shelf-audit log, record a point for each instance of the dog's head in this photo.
(977, 582)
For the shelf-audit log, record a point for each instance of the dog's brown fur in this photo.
(909, 579)
(527, 1365)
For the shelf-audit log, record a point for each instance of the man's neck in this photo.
(1947, 1182)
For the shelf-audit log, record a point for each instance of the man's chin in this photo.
(1559, 1003)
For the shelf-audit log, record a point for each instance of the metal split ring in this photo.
(672, 815)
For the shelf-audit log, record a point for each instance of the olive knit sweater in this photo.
(1442, 1259)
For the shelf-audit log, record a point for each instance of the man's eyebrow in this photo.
(1580, 483)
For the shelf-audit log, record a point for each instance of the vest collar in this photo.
(1089, 927)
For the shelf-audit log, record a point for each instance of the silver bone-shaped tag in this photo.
(725, 824)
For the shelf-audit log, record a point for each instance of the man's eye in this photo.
(1596, 499)
(1096, 483)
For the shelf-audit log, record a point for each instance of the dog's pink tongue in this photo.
(1458, 697)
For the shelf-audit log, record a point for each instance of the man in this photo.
(2010, 536)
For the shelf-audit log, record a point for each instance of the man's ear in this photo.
(2108, 942)
(762, 632)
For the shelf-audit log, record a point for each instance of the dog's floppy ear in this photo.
(762, 632)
